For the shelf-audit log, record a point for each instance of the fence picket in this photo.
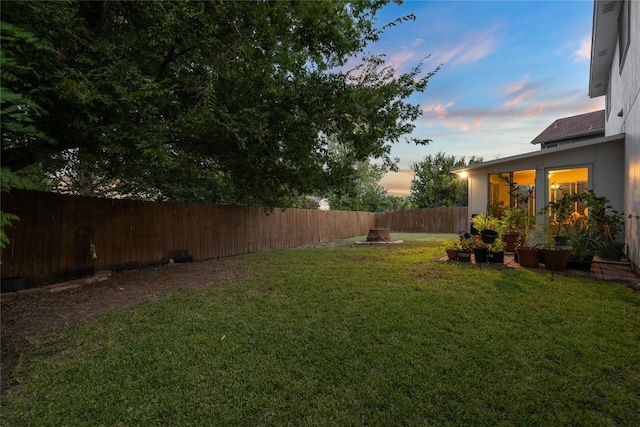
(126, 232)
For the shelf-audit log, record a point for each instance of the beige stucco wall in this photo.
(603, 159)
(625, 96)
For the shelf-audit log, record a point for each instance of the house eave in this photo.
(603, 44)
(568, 137)
(539, 153)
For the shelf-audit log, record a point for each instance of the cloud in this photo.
(398, 183)
(584, 52)
(438, 109)
(477, 51)
(398, 60)
(519, 91)
(470, 49)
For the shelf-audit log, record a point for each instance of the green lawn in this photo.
(350, 335)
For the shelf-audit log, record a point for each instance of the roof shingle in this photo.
(573, 127)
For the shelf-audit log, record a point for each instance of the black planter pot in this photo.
(613, 252)
(14, 284)
(580, 264)
(488, 236)
(495, 257)
(464, 256)
(480, 255)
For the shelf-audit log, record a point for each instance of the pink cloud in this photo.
(472, 48)
(399, 59)
(398, 183)
(584, 52)
(518, 92)
(477, 51)
(437, 109)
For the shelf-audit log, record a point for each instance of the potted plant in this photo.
(527, 253)
(480, 251)
(495, 252)
(452, 246)
(513, 220)
(586, 241)
(489, 227)
(466, 245)
(557, 249)
(609, 222)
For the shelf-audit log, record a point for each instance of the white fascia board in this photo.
(540, 153)
(604, 35)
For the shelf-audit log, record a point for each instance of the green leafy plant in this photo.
(586, 241)
(468, 243)
(451, 244)
(487, 222)
(513, 219)
(497, 246)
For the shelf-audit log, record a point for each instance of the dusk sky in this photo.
(510, 68)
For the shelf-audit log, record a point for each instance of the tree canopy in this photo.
(228, 102)
(435, 186)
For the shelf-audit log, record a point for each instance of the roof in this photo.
(540, 153)
(573, 127)
(604, 36)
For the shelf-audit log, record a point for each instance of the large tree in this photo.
(221, 101)
(363, 192)
(435, 186)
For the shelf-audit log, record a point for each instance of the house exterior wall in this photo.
(604, 161)
(624, 96)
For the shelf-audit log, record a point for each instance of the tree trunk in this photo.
(379, 235)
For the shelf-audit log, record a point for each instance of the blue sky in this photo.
(510, 68)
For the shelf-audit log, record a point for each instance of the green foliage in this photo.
(452, 244)
(208, 101)
(514, 218)
(467, 244)
(435, 186)
(400, 203)
(17, 111)
(362, 192)
(497, 246)
(487, 222)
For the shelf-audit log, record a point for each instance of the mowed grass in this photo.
(349, 335)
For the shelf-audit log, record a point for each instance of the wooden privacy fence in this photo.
(437, 220)
(57, 233)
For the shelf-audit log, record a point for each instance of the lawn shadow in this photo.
(508, 286)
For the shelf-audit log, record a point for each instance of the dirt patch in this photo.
(29, 318)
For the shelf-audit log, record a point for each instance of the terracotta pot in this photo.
(452, 254)
(528, 257)
(511, 241)
(556, 260)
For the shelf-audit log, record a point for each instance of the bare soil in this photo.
(29, 319)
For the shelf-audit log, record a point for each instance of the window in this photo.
(624, 29)
(569, 181)
(512, 189)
